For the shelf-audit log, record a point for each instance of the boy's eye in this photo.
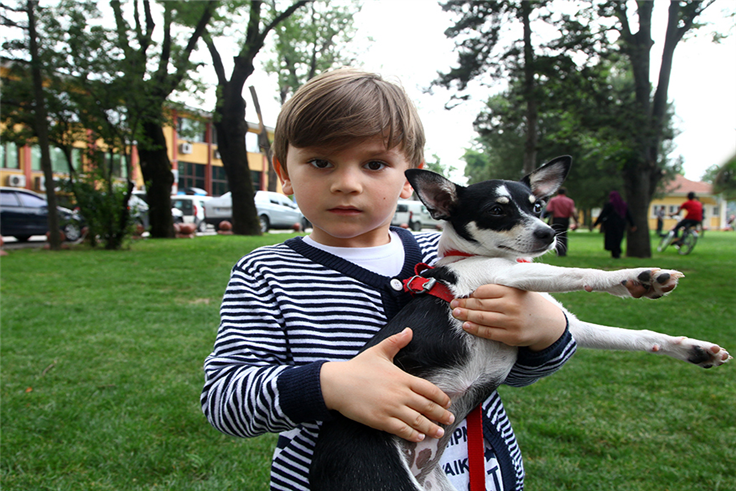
(319, 163)
(375, 165)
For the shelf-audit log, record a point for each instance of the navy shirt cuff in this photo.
(300, 393)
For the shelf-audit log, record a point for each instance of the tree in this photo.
(310, 41)
(642, 172)
(168, 68)
(88, 100)
(229, 119)
(723, 178)
(639, 121)
(40, 116)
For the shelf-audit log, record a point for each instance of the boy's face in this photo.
(349, 195)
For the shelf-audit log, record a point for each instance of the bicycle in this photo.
(685, 244)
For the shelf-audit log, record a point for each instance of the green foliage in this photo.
(435, 165)
(104, 209)
(310, 41)
(102, 355)
(724, 178)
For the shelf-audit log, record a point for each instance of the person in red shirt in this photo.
(693, 215)
(562, 209)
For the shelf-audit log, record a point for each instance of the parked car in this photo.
(138, 205)
(418, 215)
(24, 213)
(401, 216)
(192, 209)
(274, 211)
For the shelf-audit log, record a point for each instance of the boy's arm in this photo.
(251, 386)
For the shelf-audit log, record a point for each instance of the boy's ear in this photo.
(406, 193)
(283, 176)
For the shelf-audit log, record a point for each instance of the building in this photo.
(192, 149)
(714, 206)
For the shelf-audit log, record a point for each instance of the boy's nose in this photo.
(346, 181)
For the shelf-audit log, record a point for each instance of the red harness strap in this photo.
(476, 450)
(418, 284)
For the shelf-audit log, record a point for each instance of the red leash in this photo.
(476, 450)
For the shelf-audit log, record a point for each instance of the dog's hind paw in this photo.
(651, 282)
(701, 353)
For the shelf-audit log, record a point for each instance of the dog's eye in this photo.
(496, 210)
(538, 207)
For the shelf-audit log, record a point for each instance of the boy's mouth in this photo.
(345, 210)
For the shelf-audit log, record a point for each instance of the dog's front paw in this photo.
(651, 282)
(701, 353)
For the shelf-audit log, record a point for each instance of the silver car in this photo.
(274, 211)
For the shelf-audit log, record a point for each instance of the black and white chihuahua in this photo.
(489, 227)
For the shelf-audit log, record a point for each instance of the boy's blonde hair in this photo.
(347, 105)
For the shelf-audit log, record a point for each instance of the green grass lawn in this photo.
(102, 353)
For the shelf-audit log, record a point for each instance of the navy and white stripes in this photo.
(288, 309)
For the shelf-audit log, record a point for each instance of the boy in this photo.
(295, 315)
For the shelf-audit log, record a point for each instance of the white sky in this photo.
(410, 47)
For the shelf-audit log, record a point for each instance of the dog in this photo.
(490, 227)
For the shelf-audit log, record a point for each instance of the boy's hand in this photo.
(372, 390)
(511, 316)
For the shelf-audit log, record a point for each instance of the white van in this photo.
(416, 215)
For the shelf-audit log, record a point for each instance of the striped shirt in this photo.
(288, 309)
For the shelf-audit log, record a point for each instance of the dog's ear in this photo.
(438, 194)
(549, 177)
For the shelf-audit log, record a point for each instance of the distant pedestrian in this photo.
(659, 213)
(613, 219)
(562, 208)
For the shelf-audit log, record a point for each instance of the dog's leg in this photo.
(538, 277)
(595, 336)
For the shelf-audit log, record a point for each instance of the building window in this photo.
(251, 142)
(219, 181)
(255, 176)
(58, 160)
(9, 156)
(191, 175)
(191, 130)
(35, 157)
(77, 155)
(119, 169)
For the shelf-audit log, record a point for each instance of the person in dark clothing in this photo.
(613, 218)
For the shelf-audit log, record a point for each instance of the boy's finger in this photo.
(413, 426)
(430, 396)
(390, 346)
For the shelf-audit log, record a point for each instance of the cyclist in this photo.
(693, 216)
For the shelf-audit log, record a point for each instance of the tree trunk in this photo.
(231, 130)
(156, 169)
(42, 129)
(636, 188)
(532, 113)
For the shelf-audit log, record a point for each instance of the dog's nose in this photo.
(545, 234)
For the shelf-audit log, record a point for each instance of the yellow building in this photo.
(192, 149)
(714, 206)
